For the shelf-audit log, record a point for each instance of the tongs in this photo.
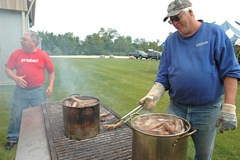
(122, 121)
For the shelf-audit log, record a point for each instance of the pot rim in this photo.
(78, 96)
(186, 125)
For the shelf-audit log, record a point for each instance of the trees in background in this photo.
(65, 44)
(105, 42)
(237, 52)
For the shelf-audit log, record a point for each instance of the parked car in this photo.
(152, 54)
(139, 54)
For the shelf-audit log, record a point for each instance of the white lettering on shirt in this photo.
(201, 43)
(30, 60)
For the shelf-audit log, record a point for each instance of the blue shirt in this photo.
(193, 68)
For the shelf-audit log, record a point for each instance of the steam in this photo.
(70, 78)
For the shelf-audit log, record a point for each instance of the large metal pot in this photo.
(159, 147)
(81, 123)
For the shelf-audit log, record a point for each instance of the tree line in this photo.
(105, 42)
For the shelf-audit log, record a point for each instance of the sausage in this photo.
(170, 128)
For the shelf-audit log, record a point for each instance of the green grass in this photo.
(119, 84)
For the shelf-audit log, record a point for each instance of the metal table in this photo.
(47, 140)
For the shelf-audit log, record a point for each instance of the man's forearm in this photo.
(51, 77)
(9, 72)
(230, 87)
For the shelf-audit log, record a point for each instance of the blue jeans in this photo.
(22, 99)
(203, 119)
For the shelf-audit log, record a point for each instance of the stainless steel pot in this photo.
(81, 123)
(160, 147)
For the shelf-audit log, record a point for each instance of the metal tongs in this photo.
(122, 121)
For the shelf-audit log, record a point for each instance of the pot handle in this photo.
(183, 136)
(133, 115)
(74, 94)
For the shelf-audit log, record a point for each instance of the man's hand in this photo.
(49, 91)
(20, 81)
(227, 118)
(149, 102)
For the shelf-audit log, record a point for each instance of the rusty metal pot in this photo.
(81, 123)
(160, 147)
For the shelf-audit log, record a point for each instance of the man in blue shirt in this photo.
(197, 67)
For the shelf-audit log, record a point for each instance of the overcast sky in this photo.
(136, 18)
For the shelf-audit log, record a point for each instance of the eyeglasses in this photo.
(25, 39)
(175, 18)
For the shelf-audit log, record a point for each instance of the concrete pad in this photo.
(32, 143)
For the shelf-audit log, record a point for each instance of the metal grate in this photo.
(111, 145)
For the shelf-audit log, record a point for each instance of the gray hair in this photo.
(34, 36)
(186, 9)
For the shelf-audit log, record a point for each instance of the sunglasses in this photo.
(175, 18)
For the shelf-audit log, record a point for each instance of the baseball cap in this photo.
(176, 6)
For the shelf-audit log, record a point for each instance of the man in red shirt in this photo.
(30, 64)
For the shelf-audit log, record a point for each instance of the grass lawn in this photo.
(119, 84)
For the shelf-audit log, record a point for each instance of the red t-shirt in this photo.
(32, 65)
